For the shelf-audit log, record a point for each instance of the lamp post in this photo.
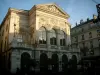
(14, 29)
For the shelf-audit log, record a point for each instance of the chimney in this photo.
(94, 16)
(81, 21)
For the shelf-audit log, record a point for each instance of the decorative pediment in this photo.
(52, 8)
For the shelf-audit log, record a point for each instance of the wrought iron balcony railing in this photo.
(42, 46)
(53, 47)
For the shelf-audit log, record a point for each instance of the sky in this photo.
(77, 9)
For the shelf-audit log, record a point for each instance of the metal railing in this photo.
(53, 47)
(17, 44)
(42, 46)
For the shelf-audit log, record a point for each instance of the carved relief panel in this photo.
(53, 21)
(44, 21)
(52, 8)
(49, 23)
(48, 19)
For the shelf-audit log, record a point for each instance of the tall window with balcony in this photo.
(91, 46)
(90, 35)
(76, 39)
(62, 38)
(83, 45)
(98, 33)
(83, 37)
(99, 43)
(42, 35)
(53, 40)
(83, 50)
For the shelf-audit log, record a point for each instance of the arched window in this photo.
(62, 38)
(64, 62)
(90, 35)
(53, 40)
(55, 62)
(25, 58)
(43, 62)
(42, 35)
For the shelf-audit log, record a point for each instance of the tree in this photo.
(84, 51)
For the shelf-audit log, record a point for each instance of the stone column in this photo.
(58, 41)
(47, 39)
(15, 60)
(66, 35)
(66, 40)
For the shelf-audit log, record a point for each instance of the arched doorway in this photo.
(55, 63)
(74, 59)
(43, 62)
(74, 64)
(64, 62)
(25, 61)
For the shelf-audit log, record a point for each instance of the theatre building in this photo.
(41, 34)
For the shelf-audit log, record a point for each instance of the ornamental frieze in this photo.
(53, 21)
(42, 21)
(50, 23)
(52, 9)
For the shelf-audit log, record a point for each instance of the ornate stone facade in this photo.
(43, 29)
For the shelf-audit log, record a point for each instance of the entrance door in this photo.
(25, 60)
(43, 62)
(55, 63)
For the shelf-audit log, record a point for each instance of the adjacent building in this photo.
(86, 36)
(41, 33)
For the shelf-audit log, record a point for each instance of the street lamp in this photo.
(14, 29)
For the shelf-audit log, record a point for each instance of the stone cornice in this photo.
(23, 12)
(84, 32)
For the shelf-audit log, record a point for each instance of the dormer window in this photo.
(83, 37)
